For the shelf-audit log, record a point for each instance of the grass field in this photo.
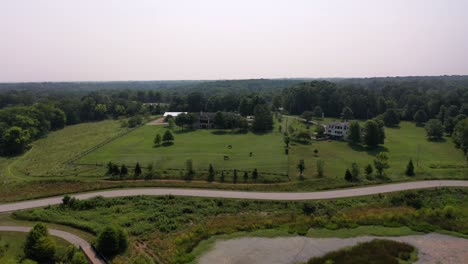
(431, 159)
(169, 228)
(204, 147)
(48, 156)
(12, 244)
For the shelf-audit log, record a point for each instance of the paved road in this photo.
(73, 239)
(432, 249)
(386, 188)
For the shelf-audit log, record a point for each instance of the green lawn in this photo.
(11, 246)
(431, 159)
(203, 146)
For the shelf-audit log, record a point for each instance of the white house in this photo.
(173, 114)
(337, 129)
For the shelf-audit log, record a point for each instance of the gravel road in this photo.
(433, 249)
(385, 188)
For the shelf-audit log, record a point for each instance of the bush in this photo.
(112, 241)
(39, 245)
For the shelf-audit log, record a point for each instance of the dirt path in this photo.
(433, 248)
(241, 194)
(73, 239)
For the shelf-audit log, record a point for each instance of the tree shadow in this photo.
(219, 132)
(183, 131)
(433, 140)
(167, 144)
(369, 150)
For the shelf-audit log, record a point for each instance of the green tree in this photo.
(286, 140)
(234, 178)
(123, 170)
(157, 140)
(371, 133)
(348, 176)
(460, 135)
(189, 170)
(112, 241)
(320, 131)
(391, 118)
(39, 246)
(137, 171)
(347, 113)
(381, 163)
(168, 137)
(15, 140)
(434, 129)
(307, 115)
(410, 168)
(79, 258)
(263, 118)
(354, 132)
(369, 170)
(219, 120)
(211, 174)
(109, 168)
(301, 167)
(246, 176)
(318, 112)
(255, 175)
(355, 171)
(320, 167)
(420, 117)
(222, 178)
(171, 123)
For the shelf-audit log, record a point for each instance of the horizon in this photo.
(89, 41)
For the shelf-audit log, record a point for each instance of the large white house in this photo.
(337, 129)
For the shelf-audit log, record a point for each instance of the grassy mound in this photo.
(377, 251)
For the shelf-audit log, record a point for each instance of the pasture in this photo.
(431, 159)
(203, 147)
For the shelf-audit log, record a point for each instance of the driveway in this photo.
(284, 196)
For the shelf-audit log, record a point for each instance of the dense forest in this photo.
(29, 110)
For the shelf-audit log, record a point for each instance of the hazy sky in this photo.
(86, 40)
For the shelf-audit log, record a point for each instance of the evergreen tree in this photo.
(234, 178)
(355, 171)
(137, 171)
(246, 176)
(286, 140)
(410, 168)
(369, 170)
(123, 170)
(115, 170)
(168, 137)
(255, 175)
(301, 167)
(320, 167)
(222, 178)
(348, 176)
(354, 132)
(211, 174)
(112, 241)
(109, 168)
(371, 133)
(157, 140)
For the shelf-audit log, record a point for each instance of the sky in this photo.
(103, 40)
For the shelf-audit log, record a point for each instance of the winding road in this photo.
(73, 239)
(286, 196)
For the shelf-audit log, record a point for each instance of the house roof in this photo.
(174, 114)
